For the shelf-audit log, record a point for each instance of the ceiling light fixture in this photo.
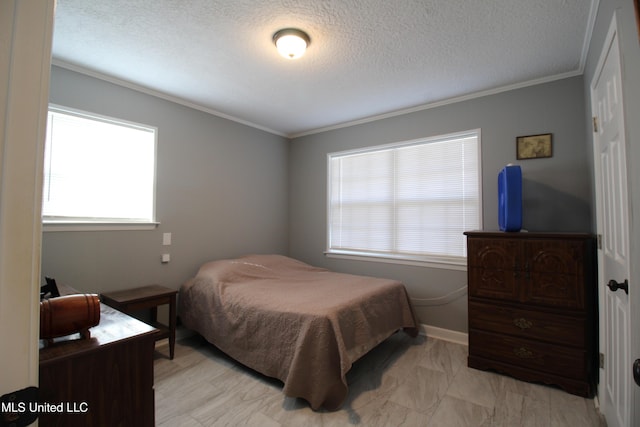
(291, 42)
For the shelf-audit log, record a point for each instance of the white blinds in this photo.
(98, 170)
(410, 200)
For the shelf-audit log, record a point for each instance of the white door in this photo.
(613, 227)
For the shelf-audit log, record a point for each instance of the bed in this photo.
(288, 320)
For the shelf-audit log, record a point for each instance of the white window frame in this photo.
(430, 260)
(79, 223)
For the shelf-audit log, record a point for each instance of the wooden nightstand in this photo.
(148, 298)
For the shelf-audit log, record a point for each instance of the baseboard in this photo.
(444, 334)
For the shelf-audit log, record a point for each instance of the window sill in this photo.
(446, 264)
(53, 226)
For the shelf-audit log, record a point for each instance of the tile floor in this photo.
(403, 382)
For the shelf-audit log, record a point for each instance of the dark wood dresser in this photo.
(106, 380)
(532, 307)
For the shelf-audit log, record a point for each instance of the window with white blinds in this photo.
(98, 170)
(408, 201)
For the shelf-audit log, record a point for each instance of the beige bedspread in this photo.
(288, 320)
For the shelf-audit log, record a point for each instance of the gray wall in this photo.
(557, 194)
(226, 189)
(221, 192)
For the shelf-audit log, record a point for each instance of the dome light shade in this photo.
(291, 42)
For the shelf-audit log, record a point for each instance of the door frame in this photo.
(26, 34)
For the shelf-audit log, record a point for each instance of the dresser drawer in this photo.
(552, 358)
(527, 324)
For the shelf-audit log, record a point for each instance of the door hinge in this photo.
(595, 124)
(601, 360)
(599, 241)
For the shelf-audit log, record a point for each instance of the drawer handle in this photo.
(523, 353)
(522, 323)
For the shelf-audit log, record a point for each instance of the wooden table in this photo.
(148, 298)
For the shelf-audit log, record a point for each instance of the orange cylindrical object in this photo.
(68, 314)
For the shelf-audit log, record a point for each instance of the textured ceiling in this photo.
(367, 57)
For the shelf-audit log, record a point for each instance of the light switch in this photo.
(166, 239)
(166, 258)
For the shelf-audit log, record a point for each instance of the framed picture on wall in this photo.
(533, 146)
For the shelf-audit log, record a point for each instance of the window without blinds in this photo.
(411, 200)
(98, 169)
